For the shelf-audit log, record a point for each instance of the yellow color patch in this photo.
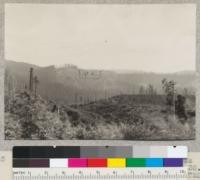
(116, 162)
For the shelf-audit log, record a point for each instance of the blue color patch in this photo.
(154, 162)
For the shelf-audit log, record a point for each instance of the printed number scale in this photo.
(102, 174)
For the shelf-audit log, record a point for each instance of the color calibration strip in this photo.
(98, 162)
(20, 152)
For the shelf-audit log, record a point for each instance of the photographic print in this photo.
(100, 72)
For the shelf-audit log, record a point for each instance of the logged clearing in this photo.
(123, 117)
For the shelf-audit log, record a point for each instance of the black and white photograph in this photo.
(100, 72)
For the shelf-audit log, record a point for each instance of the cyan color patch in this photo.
(154, 162)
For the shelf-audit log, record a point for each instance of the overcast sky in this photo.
(157, 38)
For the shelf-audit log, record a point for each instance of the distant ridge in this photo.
(120, 71)
(65, 85)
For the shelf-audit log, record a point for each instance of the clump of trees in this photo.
(169, 90)
(148, 93)
(173, 100)
(148, 90)
(151, 90)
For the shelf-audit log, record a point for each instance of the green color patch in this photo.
(135, 162)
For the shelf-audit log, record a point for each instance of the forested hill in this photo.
(70, 84)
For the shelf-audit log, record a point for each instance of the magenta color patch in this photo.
(77, 162)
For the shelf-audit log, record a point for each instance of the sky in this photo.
(153, 38)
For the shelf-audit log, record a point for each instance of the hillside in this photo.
(144, 118)
(71, 103)
(29, 117)
(121, 117)
(73, 85)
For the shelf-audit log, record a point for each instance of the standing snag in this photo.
(36, 82)
(31, 80)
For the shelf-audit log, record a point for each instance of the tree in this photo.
(180, 107)
(150, 89)
(141, 90)
(31, 80)
(169, 90)
(36, 82)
